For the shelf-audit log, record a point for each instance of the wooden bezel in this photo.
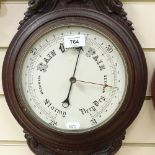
(96, 140)
(153, 88)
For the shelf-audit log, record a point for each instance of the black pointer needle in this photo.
(66, 102)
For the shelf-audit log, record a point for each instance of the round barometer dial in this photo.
(71, 78)
(75, 78)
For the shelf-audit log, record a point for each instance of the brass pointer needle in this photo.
(103, 85)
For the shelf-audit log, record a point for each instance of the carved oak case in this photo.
(107, 17)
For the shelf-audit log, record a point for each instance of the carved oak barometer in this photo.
(75, 76)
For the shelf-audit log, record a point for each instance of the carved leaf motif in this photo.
(110, 148)
(113, 146)
(36, 147)
(114, 8)
(37, 6)
(30, 140)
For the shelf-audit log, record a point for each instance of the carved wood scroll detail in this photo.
(110, 148)
(113, 146)
(112, 7)
(37, 6)
(34, 145)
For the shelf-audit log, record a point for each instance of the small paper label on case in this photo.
(73, 125)
(74, 41)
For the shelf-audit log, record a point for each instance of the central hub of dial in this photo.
(73, 80)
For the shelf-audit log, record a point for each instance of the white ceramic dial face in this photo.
(73, 89)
